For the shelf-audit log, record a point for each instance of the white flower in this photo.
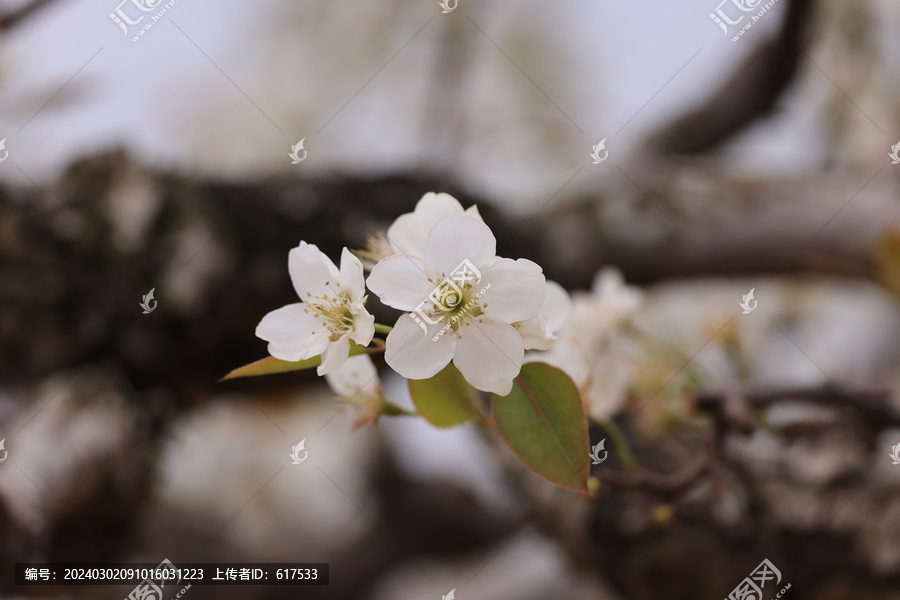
(331, 315)
(475, 315)
(408, 233)
(356, 382)
(539, 332)
(583, 348)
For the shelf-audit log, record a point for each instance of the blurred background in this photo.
(159, 160)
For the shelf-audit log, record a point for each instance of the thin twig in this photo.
(666, 483)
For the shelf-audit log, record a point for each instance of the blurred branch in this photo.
(668, 484)
(216, 251)
(734, 412)
(873, 405)
(751, 92)
(14, 17)
(679, 221)
(690, 218)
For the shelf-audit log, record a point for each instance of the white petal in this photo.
(539, 333)
(438, 205)
(557, 307)
(409, 232)
(488, 353)
(363, 327)
(609, 286)
(412, 353)
(293, 334)
(472, 211)
(501, 389)
(351, 278)
(456, 238)
(310, 270)
(607, 280)
(334, 356)
(357, 382)
(536, 335)
(517, 289)
(566, 358)
(608, 389)
(400, 281)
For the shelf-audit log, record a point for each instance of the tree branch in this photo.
(750, 93)
(14, 17)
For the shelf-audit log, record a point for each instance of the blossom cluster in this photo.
(460, 303)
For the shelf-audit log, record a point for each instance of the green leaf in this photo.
(271, 365)
(446, 399)
(543, 422)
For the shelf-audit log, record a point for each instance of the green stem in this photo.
(392, 410)
(379, 328)
(629, 462)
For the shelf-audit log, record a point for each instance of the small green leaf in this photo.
(271, 365)
(543, 422)
(446, 399)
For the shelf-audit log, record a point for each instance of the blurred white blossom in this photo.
(582, 350)
(539, 332)
(357, 382)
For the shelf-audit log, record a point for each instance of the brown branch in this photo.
(733, 411)
(14, 17)
(874, 406)
(751, 91)
(668, 483)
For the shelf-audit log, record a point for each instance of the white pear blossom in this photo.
(409, 232)
(583, 348)
(471, 320)
(539, 332)
(331, 314)
(357, 382)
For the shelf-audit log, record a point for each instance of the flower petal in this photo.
(356, 381)
(609, 286)
(456, 238)
(501, 389)
(517, 289)
(352, 278)
(536, 335)
(334, 356)
(400, 281)
(607, 390)
(489, 354)
(310, 270)
(412, 353)
(557, 307)
(363, 327)
(438, 204)
(567, 359)
(293, 334)
(356, 376)
(409, 232)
